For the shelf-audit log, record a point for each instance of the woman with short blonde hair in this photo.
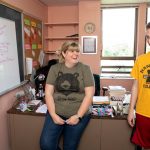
(68, 94)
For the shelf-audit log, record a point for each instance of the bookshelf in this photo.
(58, 33)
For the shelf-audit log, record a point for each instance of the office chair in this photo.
(97, 86)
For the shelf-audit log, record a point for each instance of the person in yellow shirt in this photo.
(140, 99)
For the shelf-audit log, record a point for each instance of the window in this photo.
(148, 20)
(118, 53)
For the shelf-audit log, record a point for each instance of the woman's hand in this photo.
(131, 119)
(57, 119)
(73, 120)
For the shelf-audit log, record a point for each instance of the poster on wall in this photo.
(32, 38)
(89, 44)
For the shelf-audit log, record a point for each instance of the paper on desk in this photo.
(127, 98)
(34, 102)
(42, 109)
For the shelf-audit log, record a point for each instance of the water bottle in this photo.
(40, 92)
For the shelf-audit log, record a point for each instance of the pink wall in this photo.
(68, 14)
(89, 11)
(141, 30)
(39, 11)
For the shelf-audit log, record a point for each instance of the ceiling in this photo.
(60, 2)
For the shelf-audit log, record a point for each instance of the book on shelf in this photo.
(73, 35)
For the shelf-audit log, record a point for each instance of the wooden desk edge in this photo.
(18, 112)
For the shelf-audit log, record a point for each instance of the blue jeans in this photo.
(71, 134)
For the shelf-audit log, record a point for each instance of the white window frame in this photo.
(120, 73)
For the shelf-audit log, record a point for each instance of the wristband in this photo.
(78, 117)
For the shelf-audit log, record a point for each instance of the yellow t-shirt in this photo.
(141, 72)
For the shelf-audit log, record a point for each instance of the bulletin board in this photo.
(32, 38)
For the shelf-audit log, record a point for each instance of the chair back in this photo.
(97, 84)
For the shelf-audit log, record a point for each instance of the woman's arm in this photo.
(49, 90)
(134, 95)
(87, 101)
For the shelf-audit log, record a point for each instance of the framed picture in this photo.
(89, 44)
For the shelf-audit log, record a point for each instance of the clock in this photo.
(89, 27)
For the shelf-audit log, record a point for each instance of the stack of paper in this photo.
(116, 90)
(100, 100)
(116, 94)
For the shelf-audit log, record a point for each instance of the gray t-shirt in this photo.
(69, 84)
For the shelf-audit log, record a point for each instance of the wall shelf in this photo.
(49, 52)
(60, 32)
(61, 24)
(62, 38)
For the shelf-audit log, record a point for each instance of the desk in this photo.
(102, 133)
